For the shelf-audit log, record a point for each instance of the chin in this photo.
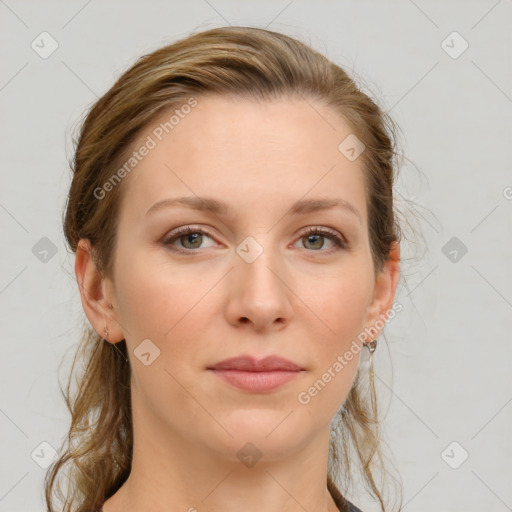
(271, 433)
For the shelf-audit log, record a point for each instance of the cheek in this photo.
(341, 305)
(167, 306)
(162, 302)
(338, 354)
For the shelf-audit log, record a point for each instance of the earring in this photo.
(106, 332)
(371, 346)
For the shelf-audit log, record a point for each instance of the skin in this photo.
(299, 299)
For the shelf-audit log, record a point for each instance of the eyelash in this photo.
(324, 232)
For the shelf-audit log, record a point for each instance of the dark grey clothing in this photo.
(352, 507)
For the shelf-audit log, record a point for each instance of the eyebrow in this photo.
(215, 206)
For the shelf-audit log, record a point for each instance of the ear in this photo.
(96, 292)
(384, 292)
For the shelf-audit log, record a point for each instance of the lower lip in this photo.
(256, 381)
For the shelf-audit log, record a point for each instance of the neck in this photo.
(171, 473)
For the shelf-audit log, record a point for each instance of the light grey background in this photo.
(449, 348)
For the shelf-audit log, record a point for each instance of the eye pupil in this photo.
(317, 237)
(194, 236)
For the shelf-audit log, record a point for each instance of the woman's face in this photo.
(248, 280)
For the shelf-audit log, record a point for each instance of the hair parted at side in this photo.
(249, 63)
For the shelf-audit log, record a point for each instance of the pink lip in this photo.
(252, 375)
(250, 364)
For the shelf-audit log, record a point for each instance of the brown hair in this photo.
(249, 63)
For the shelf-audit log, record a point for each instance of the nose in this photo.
(259, 295)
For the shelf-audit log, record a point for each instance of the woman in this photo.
(236, 245)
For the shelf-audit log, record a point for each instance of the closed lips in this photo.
(250, 364)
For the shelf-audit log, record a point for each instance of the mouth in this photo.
(257, 376)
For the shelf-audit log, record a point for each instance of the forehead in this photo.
(244, 151)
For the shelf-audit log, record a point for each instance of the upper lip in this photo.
(251, 364)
